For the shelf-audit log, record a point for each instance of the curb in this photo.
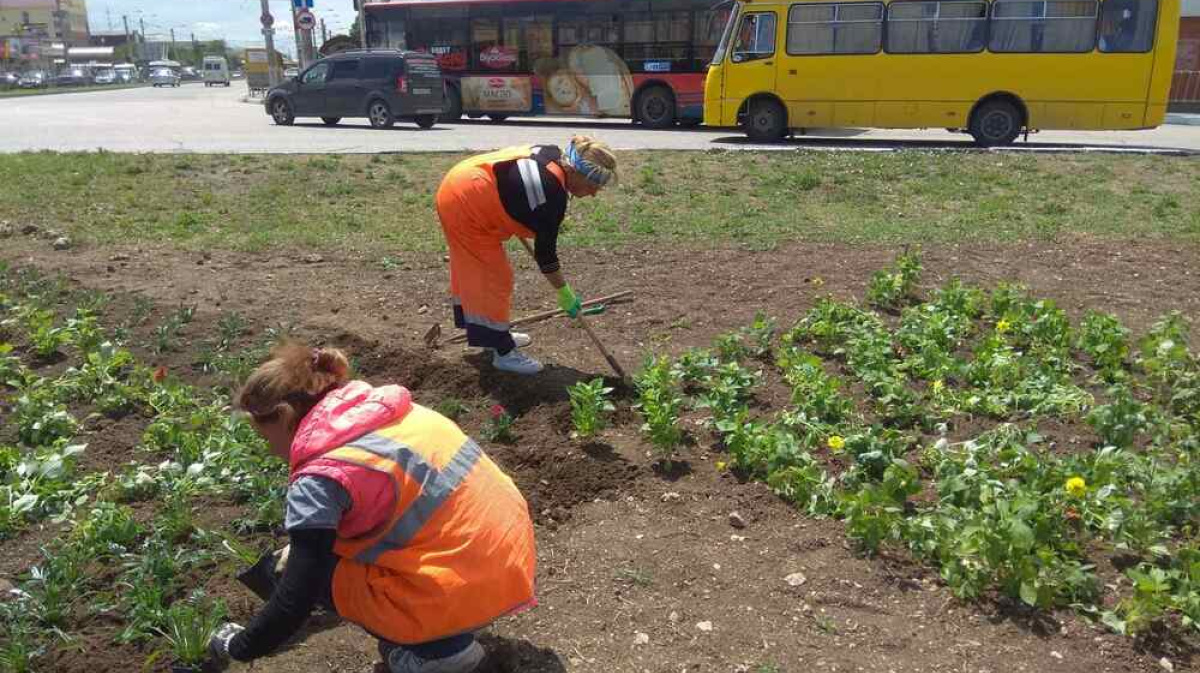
(1183, 119)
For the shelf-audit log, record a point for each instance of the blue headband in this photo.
(597, 175)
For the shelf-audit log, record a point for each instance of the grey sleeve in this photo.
(315, 502)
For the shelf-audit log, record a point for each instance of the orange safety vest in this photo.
(457, 551)
(476, 225)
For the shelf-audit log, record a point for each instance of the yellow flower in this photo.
(1076, 487)
(721, 466)
(836, 443)
(939, 386)
(1003, 326)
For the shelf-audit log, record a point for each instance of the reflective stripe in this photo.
(476, 319)
(532, 178)
(436, 487)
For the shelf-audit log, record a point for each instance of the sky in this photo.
(233, 20)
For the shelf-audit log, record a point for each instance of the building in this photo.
(1185, 90)
(38, 31)
(58, 20)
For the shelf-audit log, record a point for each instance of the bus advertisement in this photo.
(641, 59)
(991, 68)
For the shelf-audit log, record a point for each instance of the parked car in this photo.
(35, 79)
(291, 72)
(189, 74)
(73, 77)
(126, 76)
(382, 85)
(9, 80)
(105, 77)
(216, 71)
(164, 77)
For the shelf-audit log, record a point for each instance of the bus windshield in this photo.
(727, 34)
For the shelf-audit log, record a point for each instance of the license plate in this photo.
(422, 92)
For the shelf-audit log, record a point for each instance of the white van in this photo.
(216, 71)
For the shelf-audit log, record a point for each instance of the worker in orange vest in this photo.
(487, 199)
(397, 520)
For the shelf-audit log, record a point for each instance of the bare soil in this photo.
(640, 568)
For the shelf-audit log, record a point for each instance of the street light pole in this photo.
(269, 37)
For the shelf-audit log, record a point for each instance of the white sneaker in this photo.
(402, 661)
(521, 339)
(516, 362)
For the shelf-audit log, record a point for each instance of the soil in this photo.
(640, 568)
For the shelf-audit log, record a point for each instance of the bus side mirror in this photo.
(737, 58)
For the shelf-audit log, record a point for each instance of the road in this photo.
(194, 118)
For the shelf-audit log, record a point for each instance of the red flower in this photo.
(1072, 514)
(160, 374)
(498, 411)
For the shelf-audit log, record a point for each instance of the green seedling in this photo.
(589, 403)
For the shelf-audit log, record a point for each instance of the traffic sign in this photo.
(267, 20)
(305, 20)
(302, 4)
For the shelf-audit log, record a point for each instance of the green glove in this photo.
(568, 302)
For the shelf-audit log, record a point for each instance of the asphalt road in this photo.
(194, 118)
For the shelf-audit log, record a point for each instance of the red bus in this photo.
(641, 59)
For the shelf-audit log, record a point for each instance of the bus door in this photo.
(751, 65)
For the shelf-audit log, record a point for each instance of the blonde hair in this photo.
(597, 153)
(297, 376)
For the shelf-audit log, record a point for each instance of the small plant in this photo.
(452, 408)
(1106, 341)
(499, 427)
(190, 626)
(231, 326)
(1119, 422)
(889, 289)
(589, 403)
(659, 402)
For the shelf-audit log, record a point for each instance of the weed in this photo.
(452, 408)
(190, 625)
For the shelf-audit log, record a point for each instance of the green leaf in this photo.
(1029, 594)
(1021, 535)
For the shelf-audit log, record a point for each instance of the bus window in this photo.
(1057, 26)
(849, 28)
(936, 27)
(709, 26)
(1127, 25)
(756, 38)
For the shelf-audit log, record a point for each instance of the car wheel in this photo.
(331, 121)
(426, 121)
(656, 108)
(380, 114)
(282, 112)
(995, 123)
(766, 121)
(497, 117)
(453, 105)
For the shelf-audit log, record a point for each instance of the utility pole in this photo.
(196, 59)
(324, 33)
(269, 36)
(362, 22)
(142, 49)
(172, 53)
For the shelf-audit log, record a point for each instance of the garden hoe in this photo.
(590, 307)
(612, 362)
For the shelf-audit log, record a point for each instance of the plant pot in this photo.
(261, 578)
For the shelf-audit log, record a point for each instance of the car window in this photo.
(382, 68)
(316, 74)
(345, 69)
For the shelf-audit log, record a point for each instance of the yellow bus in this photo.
(991, 68)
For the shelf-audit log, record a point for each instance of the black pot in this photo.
(261, 577)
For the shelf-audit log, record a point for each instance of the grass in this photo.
(53, 90)
(363, 203)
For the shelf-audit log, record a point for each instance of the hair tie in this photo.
(316, 358)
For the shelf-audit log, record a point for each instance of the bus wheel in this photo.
(995, 123)
(656, 108)
(453, 106)
(766, 121)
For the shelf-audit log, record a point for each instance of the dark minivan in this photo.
(382, 85)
